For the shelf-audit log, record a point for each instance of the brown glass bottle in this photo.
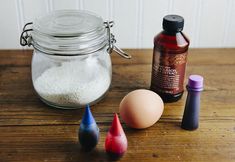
(169, 59)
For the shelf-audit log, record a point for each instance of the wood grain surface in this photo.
(32, 131)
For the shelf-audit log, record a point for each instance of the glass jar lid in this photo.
(69, 32)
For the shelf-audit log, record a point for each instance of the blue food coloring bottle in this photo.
(88, 131)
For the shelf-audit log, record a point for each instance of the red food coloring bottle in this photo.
(169, 59)
(116, 141)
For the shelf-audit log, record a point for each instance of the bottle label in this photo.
(168, 72)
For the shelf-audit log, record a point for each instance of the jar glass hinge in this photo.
(25, 37)
(112, 41)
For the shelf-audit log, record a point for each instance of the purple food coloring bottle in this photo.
(190, 119)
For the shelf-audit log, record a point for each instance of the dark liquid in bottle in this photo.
(169, 63)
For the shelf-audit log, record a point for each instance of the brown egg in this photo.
(141, 108)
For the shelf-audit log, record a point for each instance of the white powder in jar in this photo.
(73, 83)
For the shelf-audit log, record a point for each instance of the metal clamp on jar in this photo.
(71, 65)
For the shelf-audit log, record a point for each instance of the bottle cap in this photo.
(195, 82)
(87, 118)
(116, 128)
(173, 23)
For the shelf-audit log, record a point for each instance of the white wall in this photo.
(208, 23)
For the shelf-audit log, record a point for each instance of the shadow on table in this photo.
(77, 154)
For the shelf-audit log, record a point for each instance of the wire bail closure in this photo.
(25, 37)
(112, 41)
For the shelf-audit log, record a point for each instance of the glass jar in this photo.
(71, 65)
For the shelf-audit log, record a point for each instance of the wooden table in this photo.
(32, 131)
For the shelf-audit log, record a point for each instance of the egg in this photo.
(141, 108)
